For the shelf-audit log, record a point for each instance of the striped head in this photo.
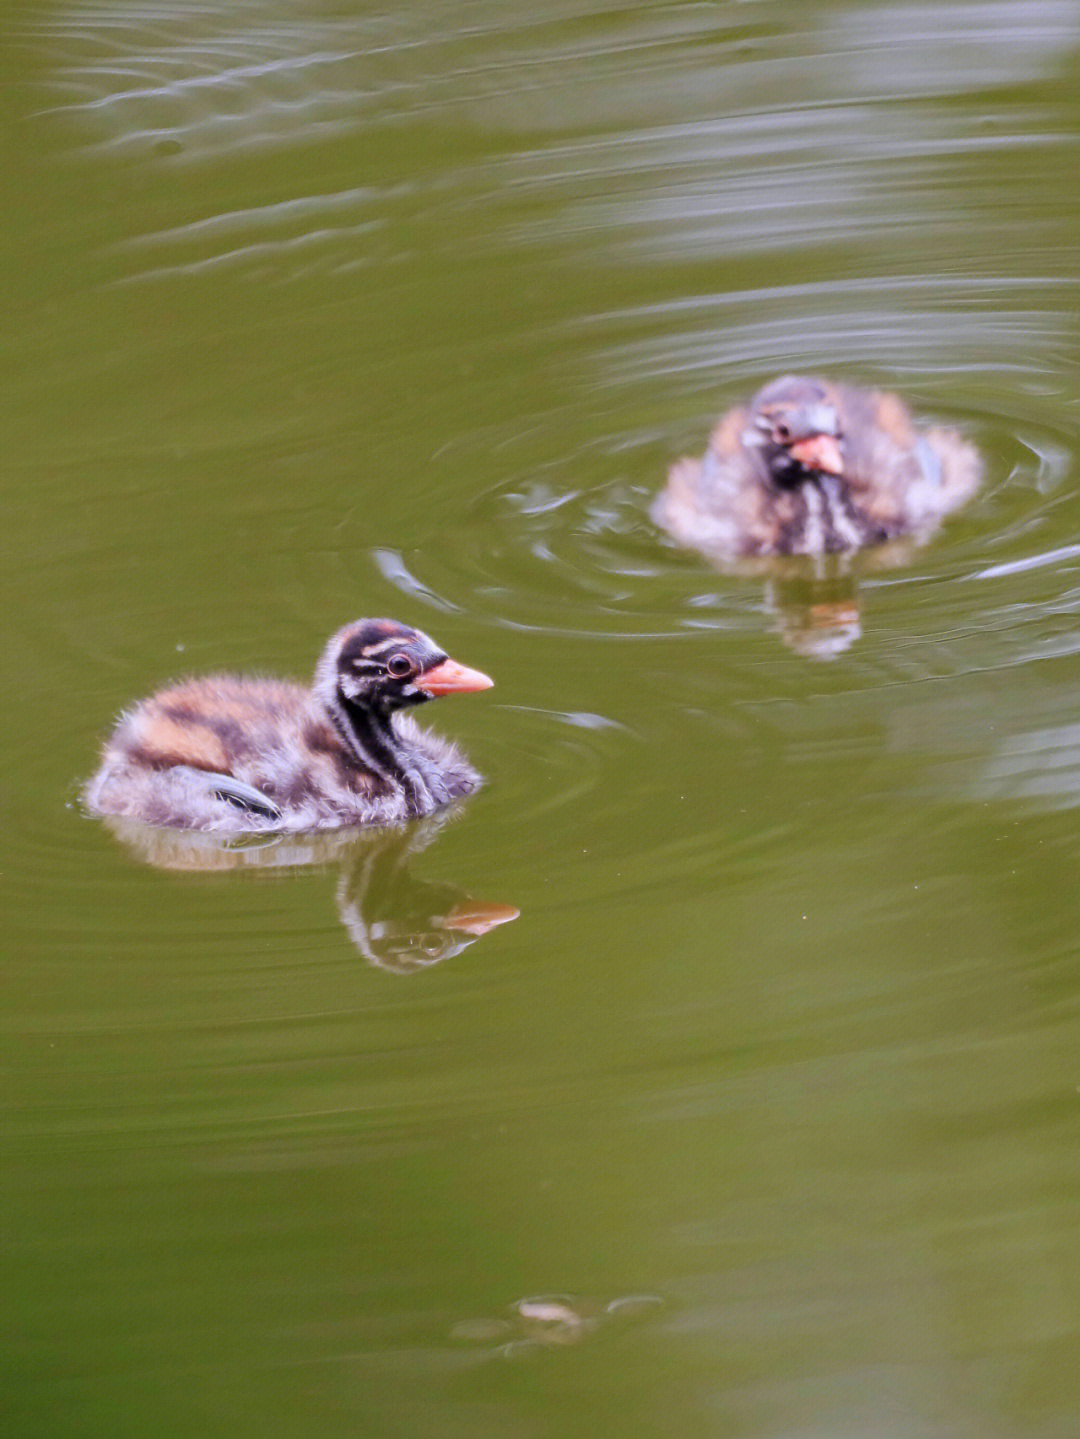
(382, 666)
(795, 423)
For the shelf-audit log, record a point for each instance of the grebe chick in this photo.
(810, 468)
(226, 754)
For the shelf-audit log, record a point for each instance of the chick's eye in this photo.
(400, 666)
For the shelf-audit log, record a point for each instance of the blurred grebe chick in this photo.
(811, 467)
(226, 754)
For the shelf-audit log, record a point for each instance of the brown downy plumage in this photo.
(811, 468)
(227, 754)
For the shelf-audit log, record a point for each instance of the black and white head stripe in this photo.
(381, 666)
(369, 648)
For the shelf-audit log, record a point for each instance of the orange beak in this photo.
(450, 678)
(477, 916)
(819, 452)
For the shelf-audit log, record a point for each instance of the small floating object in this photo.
(810, 467)
(554, 1320)
(550, 1311)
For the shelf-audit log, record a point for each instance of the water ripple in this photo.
(562, 543)
(217, 81)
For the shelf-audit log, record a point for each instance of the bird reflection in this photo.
(817, 615)
(396, 921)
(815, 601)
(401, 923)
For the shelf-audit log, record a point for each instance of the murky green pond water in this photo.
(762, 1117)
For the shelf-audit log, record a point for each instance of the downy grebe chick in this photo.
(813, 468)
(227, 754)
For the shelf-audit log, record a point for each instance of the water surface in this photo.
(761, 1117)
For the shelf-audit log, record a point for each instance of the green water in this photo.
(762, 1117)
